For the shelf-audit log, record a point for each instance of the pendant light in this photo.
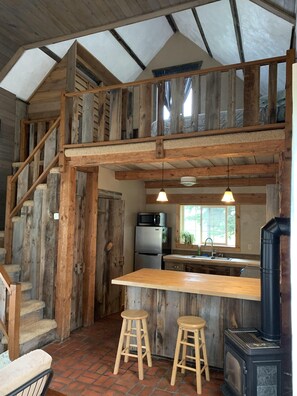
(228, 196)
(162, 197)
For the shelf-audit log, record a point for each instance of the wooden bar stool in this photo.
(195, 326)
(139, 332)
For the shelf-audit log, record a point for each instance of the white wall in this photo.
(133, 194)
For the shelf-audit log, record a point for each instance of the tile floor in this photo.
(83, 365)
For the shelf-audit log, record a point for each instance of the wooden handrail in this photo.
(5, 277)
(14, 313)
(38, 146)
(34, 185)
(225, 68)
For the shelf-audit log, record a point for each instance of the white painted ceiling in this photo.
(264, 35)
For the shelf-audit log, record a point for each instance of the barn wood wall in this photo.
(7, 125)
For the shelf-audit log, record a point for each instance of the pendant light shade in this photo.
(228, 196)
(162, 197)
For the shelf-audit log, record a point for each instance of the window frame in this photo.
(218, 248)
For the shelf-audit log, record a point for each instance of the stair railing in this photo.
(10, 308)
(22, 185)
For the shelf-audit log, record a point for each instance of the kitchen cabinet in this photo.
(205, 265)
(175, 266)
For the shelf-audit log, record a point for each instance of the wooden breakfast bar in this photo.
(223, 301)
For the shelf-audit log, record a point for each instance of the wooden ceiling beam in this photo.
(236, 24)
(235, 170)
(99, 155)
(276, 10)
(209, 199)
(238, 182)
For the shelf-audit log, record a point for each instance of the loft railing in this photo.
(31, 172)
(10, 308)
(245, 96)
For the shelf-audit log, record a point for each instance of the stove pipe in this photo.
(270, 276)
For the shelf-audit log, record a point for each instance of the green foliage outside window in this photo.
(216, 222)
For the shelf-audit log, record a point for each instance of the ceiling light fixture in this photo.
(228, 196)
(188, 181)
(162, 197)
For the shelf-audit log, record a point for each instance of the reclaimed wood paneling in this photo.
(87, 118)
(165, 307)
(177, 95)
(231, 106)
(27, 213)
(196, 102)
(145, 110)
(109, 255)
(160, 104)
(51, 235)
(127, 113)
(213, 101)
(115, 121)
(251, 95)
(272, 94)
(7, 125)
(45, 102)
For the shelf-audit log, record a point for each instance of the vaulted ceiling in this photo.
(133, 32)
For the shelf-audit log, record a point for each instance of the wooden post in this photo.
(65, 251)
(285, 210)
(10, 196)
(90, 242)
(14, 321)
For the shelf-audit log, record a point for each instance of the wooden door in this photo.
(110, 260)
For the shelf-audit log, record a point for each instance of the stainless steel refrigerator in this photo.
(151, 244)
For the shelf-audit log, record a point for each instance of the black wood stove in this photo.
(253, 358)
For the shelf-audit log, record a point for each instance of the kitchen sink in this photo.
(209, 257)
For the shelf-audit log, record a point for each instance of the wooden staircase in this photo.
(35, 330)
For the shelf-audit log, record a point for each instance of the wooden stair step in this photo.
(26, 291)
(31, 312)
(2, 254)
(13, 271)
(36, 335)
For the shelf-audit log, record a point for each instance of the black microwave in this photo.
(151, 219)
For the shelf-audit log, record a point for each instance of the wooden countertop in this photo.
(220, 261)
(188, 282)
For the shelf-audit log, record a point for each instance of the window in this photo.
(198, 222)
(167, 71)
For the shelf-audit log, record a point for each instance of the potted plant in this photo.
(187, 238)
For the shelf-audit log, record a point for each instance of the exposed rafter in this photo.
(215, 182)
(278, 11)
(215, 171)
(197, 20)
(127, 48)
(50, 53)
(172, 23)
(237, 29)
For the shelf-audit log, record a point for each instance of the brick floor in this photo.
(83, 366)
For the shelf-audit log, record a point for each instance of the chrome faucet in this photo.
(211, 241)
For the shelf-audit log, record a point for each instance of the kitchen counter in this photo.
(224, 261)
(223, 301)
(187, 282)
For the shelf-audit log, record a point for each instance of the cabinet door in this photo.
(174, 266)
